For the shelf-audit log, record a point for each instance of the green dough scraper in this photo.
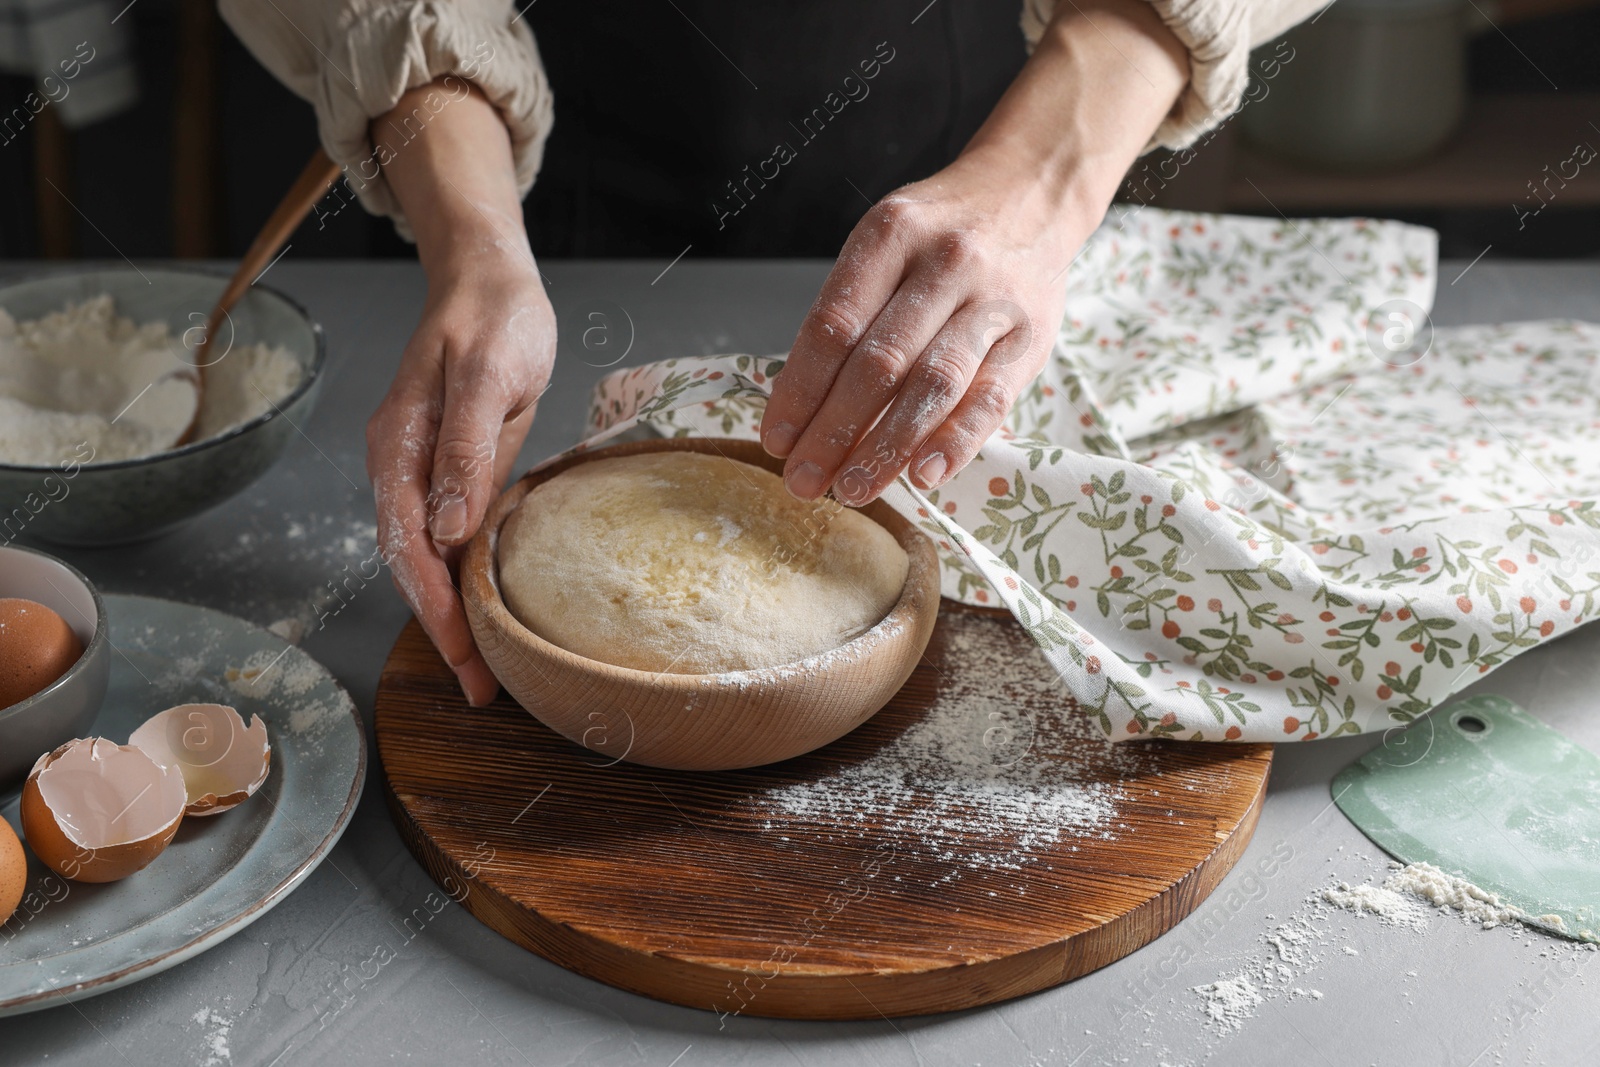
(1484, 791)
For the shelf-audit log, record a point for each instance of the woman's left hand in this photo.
(947, 297)
(939, 312)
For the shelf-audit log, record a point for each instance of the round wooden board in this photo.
(975, 841)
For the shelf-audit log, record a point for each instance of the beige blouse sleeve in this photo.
(1219, 35)
(354, 59)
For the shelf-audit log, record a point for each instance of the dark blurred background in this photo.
(1419, 109)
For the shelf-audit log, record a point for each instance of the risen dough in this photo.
(692, 564)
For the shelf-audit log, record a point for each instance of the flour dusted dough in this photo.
(692, 564)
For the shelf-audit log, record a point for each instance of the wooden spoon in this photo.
(319, 173)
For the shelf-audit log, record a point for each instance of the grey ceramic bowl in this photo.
(136, 499)
(67, 707)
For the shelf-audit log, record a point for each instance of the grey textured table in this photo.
(456, 992)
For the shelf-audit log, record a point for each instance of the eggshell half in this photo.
(222, 761)
(95, 811)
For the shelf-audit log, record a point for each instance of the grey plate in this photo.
(69, 941)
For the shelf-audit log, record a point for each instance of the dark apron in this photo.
(748, 129)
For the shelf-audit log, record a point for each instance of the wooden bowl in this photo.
(699, 721)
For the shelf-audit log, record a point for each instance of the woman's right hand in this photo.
(444, 439)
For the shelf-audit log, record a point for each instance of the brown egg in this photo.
(36, 647)
(13, 871)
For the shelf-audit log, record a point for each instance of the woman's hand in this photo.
(445, 436)
(447, 433)
(945, 301)
(941, 309)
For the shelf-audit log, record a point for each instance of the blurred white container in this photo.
(1372, 85)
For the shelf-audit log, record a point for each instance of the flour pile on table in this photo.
(87, 376)
(1268, 524)
(1228, 1002)
(1392, 906)
(1405, 894)
(1407, 899)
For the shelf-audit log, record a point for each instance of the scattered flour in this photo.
(86, 378)
(1390, 905)
(1428, 882)
(339, 556)
(984, 779)
(218, 1027)
(311, 718)
(1407, 899)
(274, 671)
(1228, 1002)
(285, 680)
(1294, 946)
(1403, 897)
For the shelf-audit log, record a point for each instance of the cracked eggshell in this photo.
(96, 811)
(222, 761)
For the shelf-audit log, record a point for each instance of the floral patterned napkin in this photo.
(1231, 508)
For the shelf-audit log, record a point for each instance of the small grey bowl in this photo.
(77, 503)
(67, 707)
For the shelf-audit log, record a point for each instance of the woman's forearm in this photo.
(446, 154)
(1102, 78)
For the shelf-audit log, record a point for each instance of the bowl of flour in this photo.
(97, 386)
